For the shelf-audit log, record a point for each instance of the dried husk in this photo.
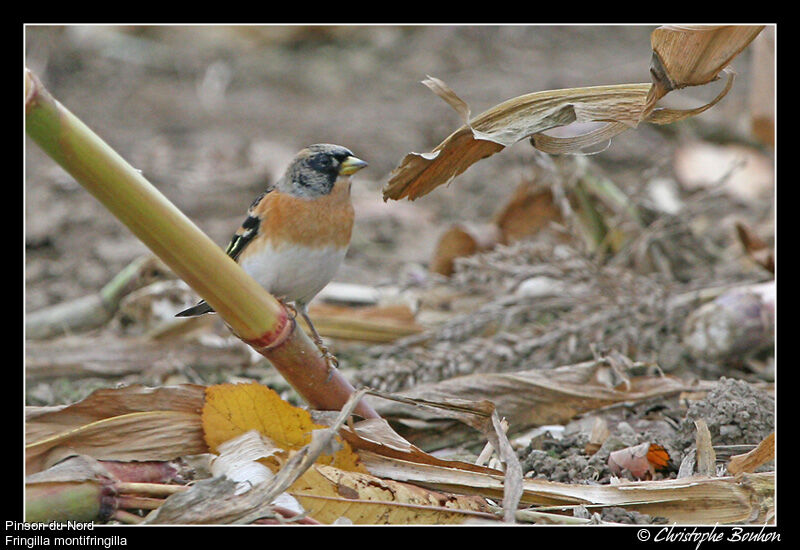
(693, 55)
(683, 56)
(462, 240)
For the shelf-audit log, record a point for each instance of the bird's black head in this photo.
(315, 169)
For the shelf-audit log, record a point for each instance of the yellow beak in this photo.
(351, 165)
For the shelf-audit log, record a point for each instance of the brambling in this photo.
(297, 231)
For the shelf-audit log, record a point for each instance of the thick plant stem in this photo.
(251, 313)
(149, 215)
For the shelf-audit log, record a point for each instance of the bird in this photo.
(297, 232)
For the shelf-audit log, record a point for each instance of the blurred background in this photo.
(211, 114)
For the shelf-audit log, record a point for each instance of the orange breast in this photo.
(320, 222)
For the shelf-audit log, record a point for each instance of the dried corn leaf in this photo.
(46, 422)
(152, 435)
(376, 437)
(131, 423)
(526, 398)
(327, 493)
(371, 512)
(621, 106)
(743, 499)
(482, 416)
(693, 55)
(507, 123)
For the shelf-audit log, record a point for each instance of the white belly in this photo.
(294, 273)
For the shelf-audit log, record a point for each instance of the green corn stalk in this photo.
(252, 314)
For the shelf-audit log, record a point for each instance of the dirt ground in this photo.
(209, 114)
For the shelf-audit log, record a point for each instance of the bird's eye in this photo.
(322, 162)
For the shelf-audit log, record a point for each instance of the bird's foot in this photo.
(330, 360)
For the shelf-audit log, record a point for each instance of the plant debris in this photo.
(556, 338)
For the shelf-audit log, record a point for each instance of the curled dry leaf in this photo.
(685, 56)
(693, 55)
(529, 210)
(504, 125)
(462, 240)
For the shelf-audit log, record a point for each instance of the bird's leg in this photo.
(329, 357)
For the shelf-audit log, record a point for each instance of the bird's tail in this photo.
(201, 308)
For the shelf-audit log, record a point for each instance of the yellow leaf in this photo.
(231, 410)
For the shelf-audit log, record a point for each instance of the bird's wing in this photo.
(248, 230)
(243, 236)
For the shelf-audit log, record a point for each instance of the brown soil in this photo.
(210, 114)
